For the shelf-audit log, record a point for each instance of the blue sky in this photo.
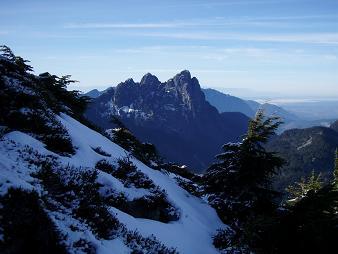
(276, 47)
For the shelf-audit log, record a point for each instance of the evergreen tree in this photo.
(335, 172)
(22, 64)
(298, 191)
(243, 172)
(310, 225)
(239, 184)
(7, 53)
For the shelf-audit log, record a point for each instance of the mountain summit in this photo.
(174, 115)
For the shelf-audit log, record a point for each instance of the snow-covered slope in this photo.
(191, 232)
(65, 188)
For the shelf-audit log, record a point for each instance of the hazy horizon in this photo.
(276, 48)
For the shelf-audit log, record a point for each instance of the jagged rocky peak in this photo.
(170, 114)
(189, 88)
(149, 79)
(182, 77)
(126, 92)
(129, 82)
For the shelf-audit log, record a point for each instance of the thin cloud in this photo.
(267, 21)
(226, 3)
(127, 25)
(311, 38)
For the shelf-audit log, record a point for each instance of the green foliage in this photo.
(299, 190)
(25, 226)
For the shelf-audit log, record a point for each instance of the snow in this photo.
(131, 193)
(305, 144)
(192, 233)
(117, 245)
(14, 172)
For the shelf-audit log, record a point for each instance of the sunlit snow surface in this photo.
(192, 233)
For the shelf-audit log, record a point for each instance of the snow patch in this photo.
(307, 143)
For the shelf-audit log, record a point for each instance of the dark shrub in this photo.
(77, 189)
(25, 225)
(105, 166)
(128, 173)
(84, 246)
(153, 207)
(140, 244)
(97, 216)
(100, 151)
(189, 186)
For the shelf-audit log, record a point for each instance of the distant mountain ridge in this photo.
(173, 115)
(306, 150)
(93, 93)
(228, 103)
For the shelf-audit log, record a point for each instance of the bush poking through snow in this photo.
(97, 216)
(105, 166)
(189, 186)
(100, 151)
(77, 189)
(154, 207)
(25, 226)
(179, 170)
(84, 246)
(149, 245)
(128, 173)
